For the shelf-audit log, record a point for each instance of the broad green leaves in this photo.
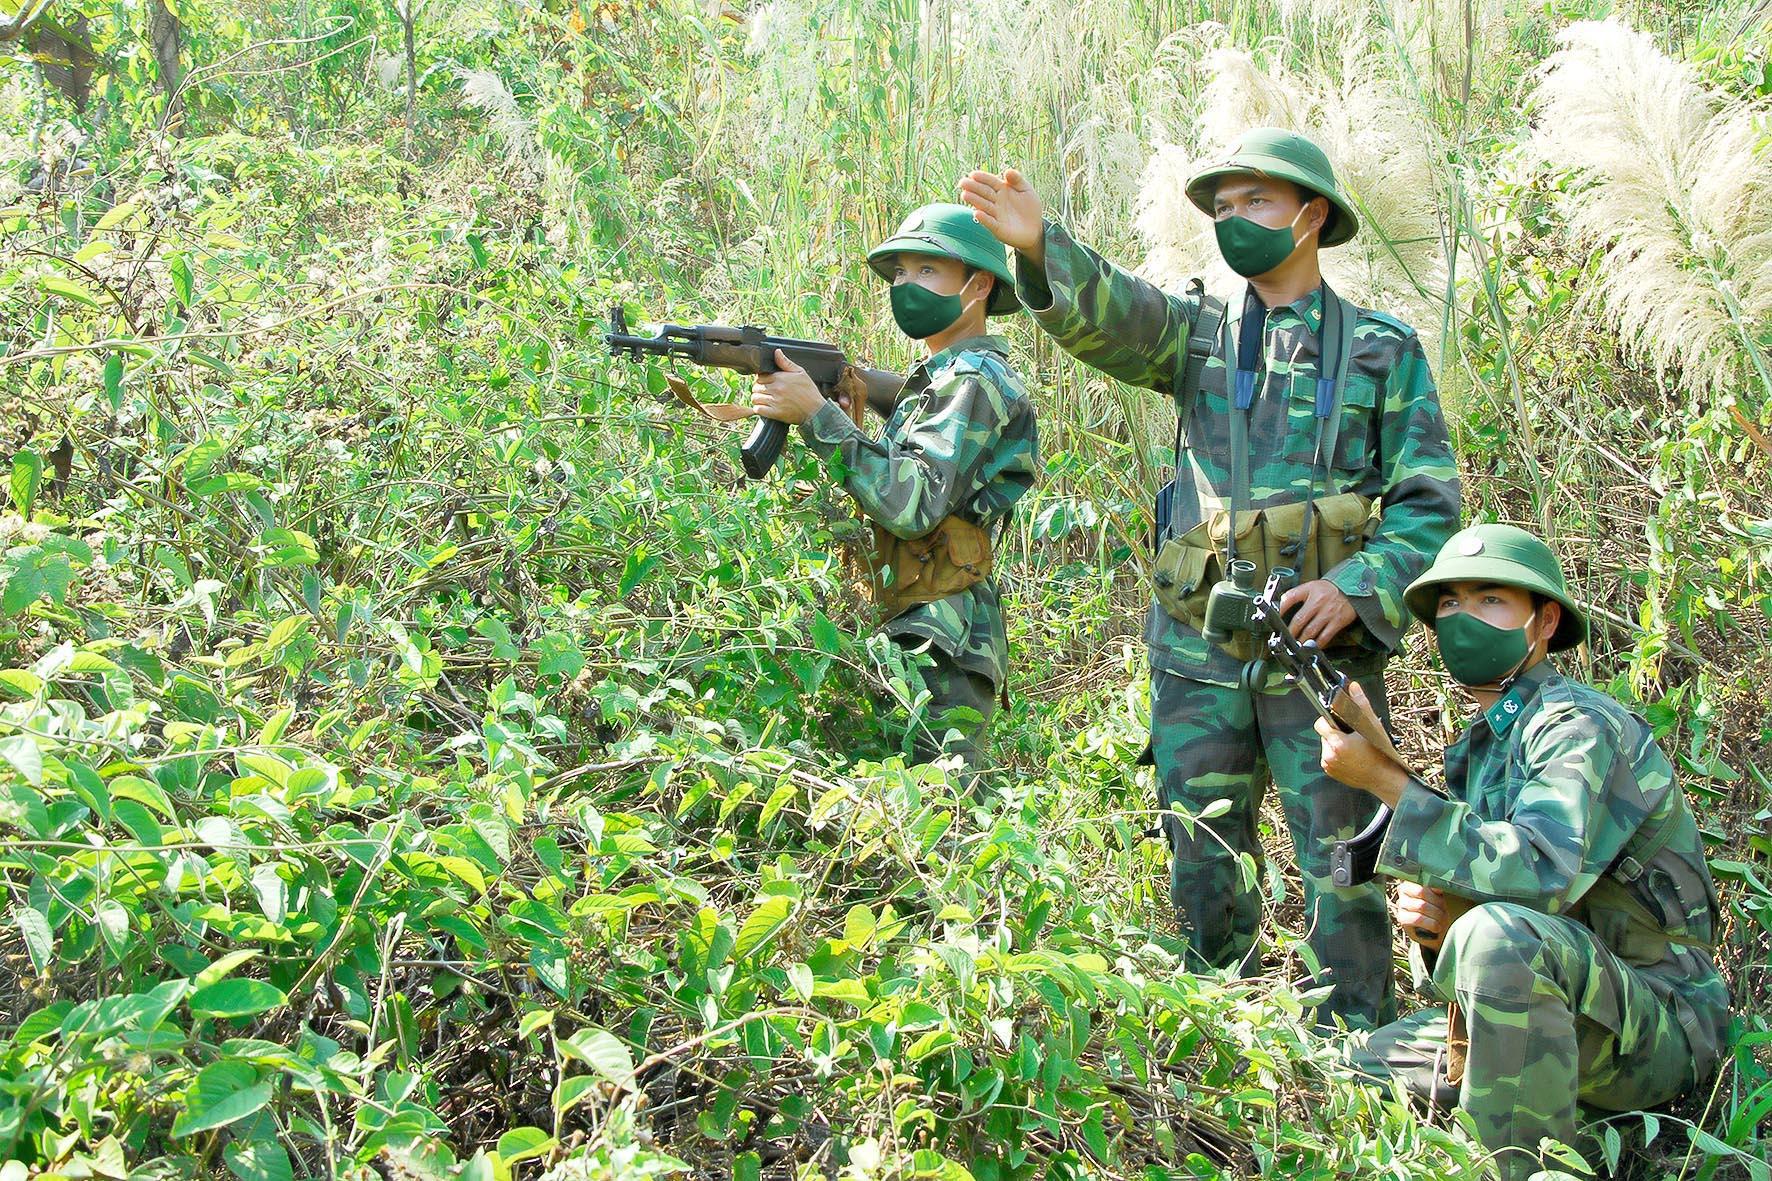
(235, 998)
(604, 1053)
(221, 1094)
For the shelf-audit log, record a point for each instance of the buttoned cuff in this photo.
(1417, 810)
(1359, 582)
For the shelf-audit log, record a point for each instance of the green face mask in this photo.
(1478, 653)
(922, 313)
(1251, 248)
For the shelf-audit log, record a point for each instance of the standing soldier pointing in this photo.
(1309, 437)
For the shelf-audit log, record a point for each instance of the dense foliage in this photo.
(422, 754)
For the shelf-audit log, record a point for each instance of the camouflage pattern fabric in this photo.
(1566, 827)
(1213, 742)
(962, 439)
(1392, 442)
(1552, 1016)
(959, 711)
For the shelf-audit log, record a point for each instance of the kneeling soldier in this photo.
(959, 449)
(1559, 892)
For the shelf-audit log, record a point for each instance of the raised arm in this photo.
(1101, 314)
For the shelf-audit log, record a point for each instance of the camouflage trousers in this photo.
(954, 720)
(1552, 1017)
(1214, 742)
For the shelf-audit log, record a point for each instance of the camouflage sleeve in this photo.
(1105, 316)
(1558, 836)
(908, 482)
(1421, 498)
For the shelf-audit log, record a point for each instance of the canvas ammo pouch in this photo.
(953, 556)
(1188, 565)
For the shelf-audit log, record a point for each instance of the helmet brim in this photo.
(1423, 596)
(1202, 189)
(1003, 297)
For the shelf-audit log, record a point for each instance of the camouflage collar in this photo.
(1511, 706)
(1307, 308)
(972, 344)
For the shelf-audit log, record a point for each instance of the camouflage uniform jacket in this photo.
(1392, 442)
(961, 439)
(1558, 794)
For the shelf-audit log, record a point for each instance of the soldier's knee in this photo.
(1491, 949)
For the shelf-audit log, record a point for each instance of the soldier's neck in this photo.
(1289, 282)
(965, 328)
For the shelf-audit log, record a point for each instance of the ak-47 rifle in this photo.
(750, 349)
(1354, 861)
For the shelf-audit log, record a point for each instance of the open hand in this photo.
(1323, 611)
(786, 395)
(1008, 207)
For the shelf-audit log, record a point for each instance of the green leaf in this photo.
(778, 799)
(220, 968)
(179, 270)
(258, 1160)
(27, 474)
(825, 636)
(236, 998)
(39, 939)
(287, 547)
(69, 289)
(222, 1093)
(21, 751)
(534, 1020)
(762, 925)
(22, 681)
(522, 1143)
(574, 1090)
(217, 483)
(557, 654)
(24, 808)
(604, 1053)
(504, 647)
(139, 823)
(117, 215)
(858, 926)
(639, 564)
(114, 375)
(143, 791)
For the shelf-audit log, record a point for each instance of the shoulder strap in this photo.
(1202, 339)
(1339, 318)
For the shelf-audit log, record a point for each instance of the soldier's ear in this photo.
(1319, 214)
(1550, 617)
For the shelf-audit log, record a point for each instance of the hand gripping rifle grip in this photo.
(763, 448)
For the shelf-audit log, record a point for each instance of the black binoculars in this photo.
(1230, 606)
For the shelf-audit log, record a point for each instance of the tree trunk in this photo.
(408, 10)
(64, 55)
(165, 34)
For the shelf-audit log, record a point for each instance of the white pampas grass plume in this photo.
(1384, 153)
(1681, 182)
(487, 93)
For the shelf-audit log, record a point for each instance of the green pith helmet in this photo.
(950, 231)
(1269, 151)
(1499, 554)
